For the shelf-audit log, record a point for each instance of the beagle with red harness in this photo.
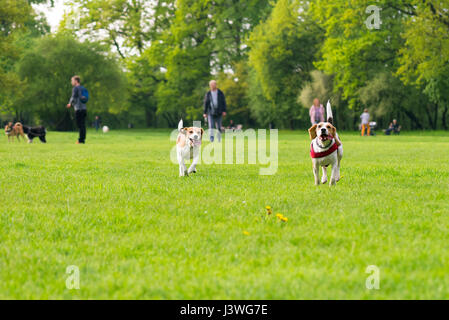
(325, 149)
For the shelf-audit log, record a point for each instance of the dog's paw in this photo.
(324, 181)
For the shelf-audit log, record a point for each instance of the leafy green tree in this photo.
(233, 22)
(411, 43)
(144, 76)
(170, 47)
(282, 51)
(426, 50)
(437, 89)
(133, 29)
(18, 27)
(14, 16)
(425, 56)
(47, 69)
(387, 98)
(352, 52)
(186, 57)
(235, 86)
(127, 26)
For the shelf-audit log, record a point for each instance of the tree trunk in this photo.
(429, 117)
(149, 118)
(443, 120)
(64, 123)
(414, 119)
(435, 120)
(356, 119)
(170, 122)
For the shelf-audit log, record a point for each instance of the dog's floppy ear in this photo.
(202, 132)
(333, 131)
(312, 132)
(184, 130)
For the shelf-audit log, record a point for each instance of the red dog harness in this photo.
(323, 154)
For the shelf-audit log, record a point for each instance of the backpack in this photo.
(214, 108)
(84, 95)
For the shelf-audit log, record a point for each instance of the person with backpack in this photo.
(79, 98)
(214, 109)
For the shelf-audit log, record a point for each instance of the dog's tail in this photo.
(180, 125)
(330, 117)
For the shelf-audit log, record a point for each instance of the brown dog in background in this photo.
(15, 130)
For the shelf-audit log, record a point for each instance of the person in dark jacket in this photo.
(80, 108)
(214, 109)
(97, 123)
(394, 127)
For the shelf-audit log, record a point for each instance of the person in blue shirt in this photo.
(80, 108)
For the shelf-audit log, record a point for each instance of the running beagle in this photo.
(326, 149)
(188, 146)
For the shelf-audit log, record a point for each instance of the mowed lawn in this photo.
(117, 209)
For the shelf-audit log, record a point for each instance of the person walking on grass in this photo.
(316, 112)
(365, 122)
(214, 109)
(78, 100)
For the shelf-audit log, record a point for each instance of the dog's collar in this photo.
(323, 154)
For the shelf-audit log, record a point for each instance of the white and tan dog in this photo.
(188, 146)
(326, 149)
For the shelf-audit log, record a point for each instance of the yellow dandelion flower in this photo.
(246, 233)
(281, 217)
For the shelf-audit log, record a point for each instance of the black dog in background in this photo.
(34, 132)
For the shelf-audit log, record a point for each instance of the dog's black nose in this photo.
(195, 136)
(323, 129)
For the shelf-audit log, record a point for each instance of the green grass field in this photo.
(117, 209)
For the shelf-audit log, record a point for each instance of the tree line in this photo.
(149, 62)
